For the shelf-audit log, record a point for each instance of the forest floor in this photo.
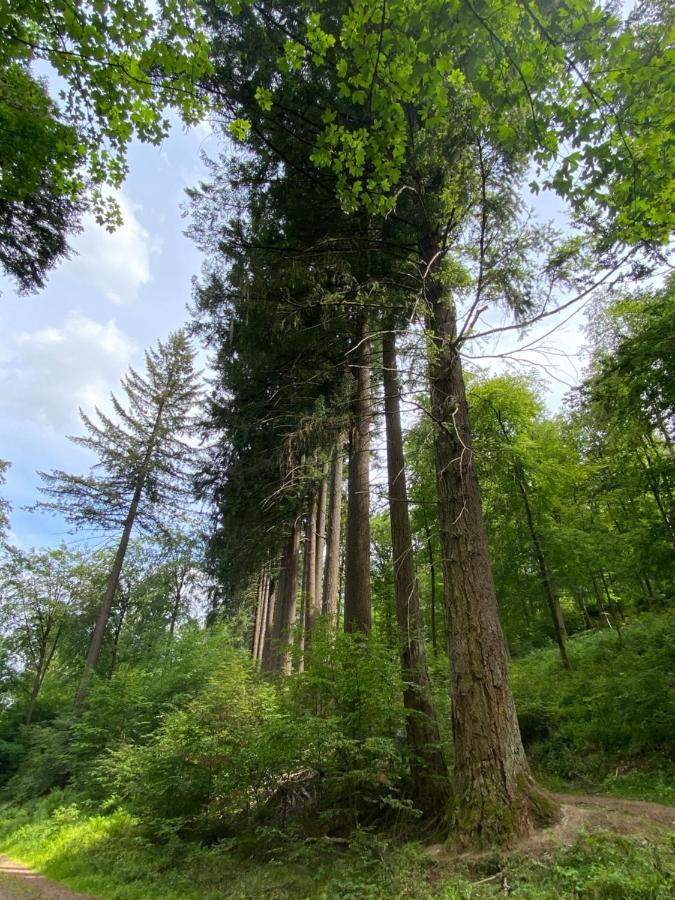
(602, 847)
(580, 812)
(644, 822)
(20, 883)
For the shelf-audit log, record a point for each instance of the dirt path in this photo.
(642, 820)
(597, 813)
(19, 883)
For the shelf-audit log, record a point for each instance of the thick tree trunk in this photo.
(427, 766)
(285, 606)
(266, 655)
(329, 602)
(495, 794)
(357, 614)
(552, 598)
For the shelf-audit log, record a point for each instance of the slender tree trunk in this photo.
(265, 614)
(600, 602)
(496, 795)
(656, 493)
(650, 589)
(260, 614)
(312, 607)
(616, 618)
(44, 661)
(114, 577)
(357, 614)
(427, 766)
(321, 513)
(432, 573)
(124, 606)
(285, 607)
(108, 596)
(583, 609)
(255, 637)
(178, 595)
(329, 602)
(552, 598)
(301, 629)
(266, 654)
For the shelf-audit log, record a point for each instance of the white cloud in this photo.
(48, 373)
(116, 264)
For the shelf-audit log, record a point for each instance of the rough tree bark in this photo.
(357, 613)
(329, 602)
(495, 795)
(427, 765)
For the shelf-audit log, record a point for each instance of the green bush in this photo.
(614, 707)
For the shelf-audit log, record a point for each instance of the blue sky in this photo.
(68, 346)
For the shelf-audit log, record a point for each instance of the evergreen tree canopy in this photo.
(143, 453)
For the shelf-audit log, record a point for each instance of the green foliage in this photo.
(210, 759)
(571, 76)
(243, 748)
(598, 867)
(144, 461)
(121, 65)
(610, 717)
(109, 856)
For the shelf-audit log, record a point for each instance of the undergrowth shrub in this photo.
(322, 750)
(616, 703)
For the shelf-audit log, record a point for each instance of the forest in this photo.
(358, 596)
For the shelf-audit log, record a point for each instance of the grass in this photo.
(109, 857)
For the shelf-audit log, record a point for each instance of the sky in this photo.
(66, 347)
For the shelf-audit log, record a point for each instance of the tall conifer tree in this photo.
(144, 464)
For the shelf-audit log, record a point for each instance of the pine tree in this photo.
(143, 472)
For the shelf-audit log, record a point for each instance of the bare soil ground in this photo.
(644, 821)
(19, 883)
